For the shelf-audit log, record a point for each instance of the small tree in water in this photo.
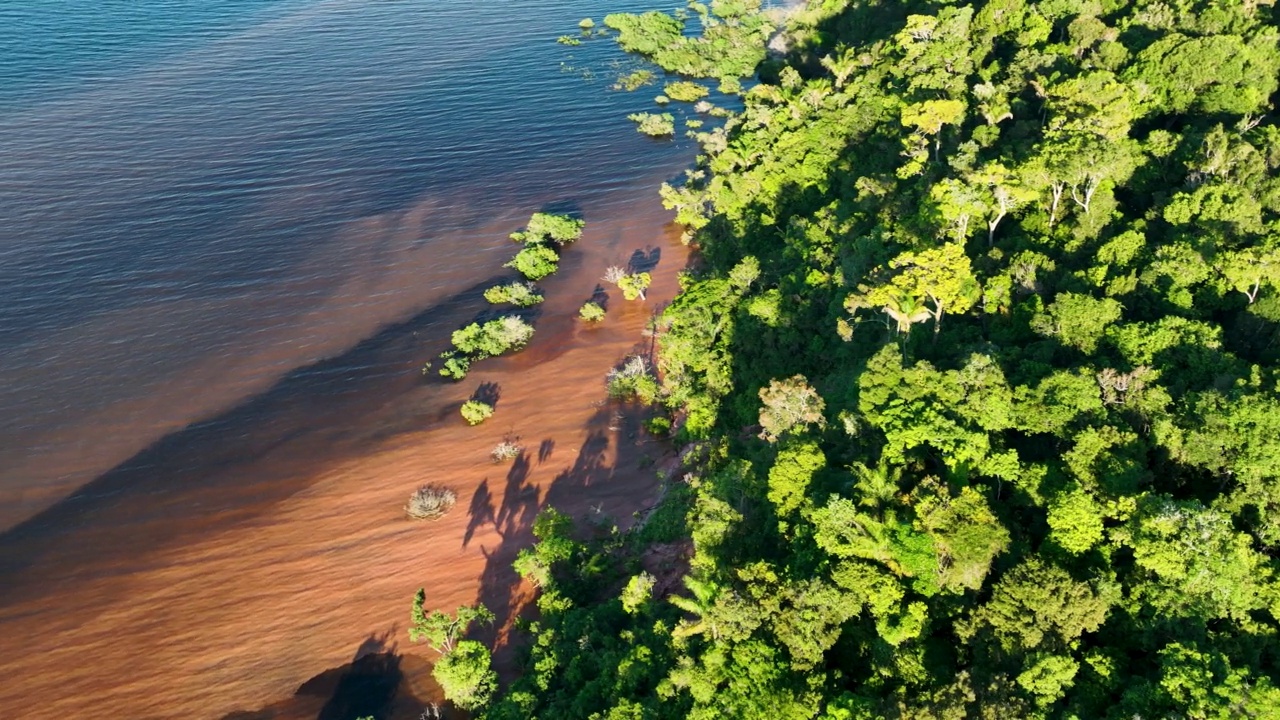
(476, 412)
(591, 312)
(464, 669)
(632, 285)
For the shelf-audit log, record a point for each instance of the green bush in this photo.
(482, 340)
(633, 381)
(723, 48)
(455, 366)
(685, 91)
(476, 412)
(730, 85)
(517, 293)
(591, 312)
(654, 124)
(465, 675)
(586, 23)
(659, 426)
(535, 261)
(549, 227)
(478, 341)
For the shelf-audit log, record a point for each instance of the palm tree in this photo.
(906, 310)
(702, 605)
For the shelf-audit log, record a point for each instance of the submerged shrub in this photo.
(591, 312)
(549, 227)
(493, 338)
(476, 412)
(535, 262)
(568, 40)
(685, 91)
(506, 450)
(632, 285)
(654, 124)
(521, 294)
(430, 502)
(659, 426)
(633, 381)
(723, 48)
(634, 80)
(455, 366)
(478, 341)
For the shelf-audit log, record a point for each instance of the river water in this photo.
(198, 198)
(202, 202)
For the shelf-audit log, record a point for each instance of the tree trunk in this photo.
(991, 227)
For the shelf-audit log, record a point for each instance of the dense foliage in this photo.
(730, 44)
(520, 294)
(481, 340)
(654, 124)
(977, 383)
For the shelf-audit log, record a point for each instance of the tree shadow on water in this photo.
(480, 513)
(488, 393)
(570, 492)
(644, 260)
(600, 296)
(373, 685)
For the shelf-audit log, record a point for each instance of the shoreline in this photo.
(247, 606)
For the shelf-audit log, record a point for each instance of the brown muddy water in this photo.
(230, 238)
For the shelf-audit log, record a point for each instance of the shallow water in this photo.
(231, 234)
(200, 197)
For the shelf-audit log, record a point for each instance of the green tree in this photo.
(941, 277)
(791, 474)
(535, 262)
(1078, 320)
(1075, 521)
(441, 630)
(466, 676)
